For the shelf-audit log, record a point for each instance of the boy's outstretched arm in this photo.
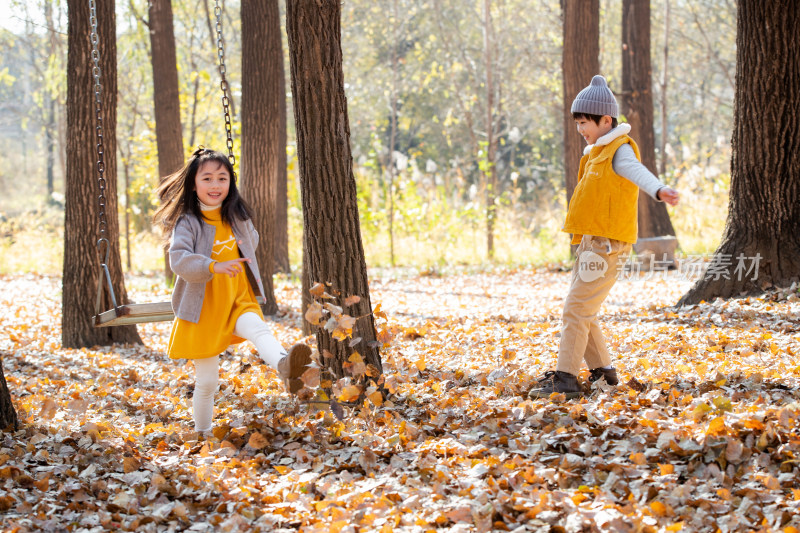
(668, 195)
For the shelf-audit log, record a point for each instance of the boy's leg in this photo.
(587, 292)
(250, 326)
(206, 382)
(596, 354)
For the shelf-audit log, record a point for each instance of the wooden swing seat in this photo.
(124, 315)
(135, 314)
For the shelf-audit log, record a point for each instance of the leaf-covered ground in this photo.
(703, 435)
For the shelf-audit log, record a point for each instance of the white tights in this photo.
(206, 371)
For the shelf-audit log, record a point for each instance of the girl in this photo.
(212, 251)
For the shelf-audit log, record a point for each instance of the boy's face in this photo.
(591, 131)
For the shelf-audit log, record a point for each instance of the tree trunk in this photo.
(260, 150)
(51, 129)
(637, 106)
(760, 246)
(166, 96)
(580, 61)
(491, 140)
(82, 213)
(662, 171)
(305, 295)
(391, 166)
(330, 209)
(278, 137)
(8, 415)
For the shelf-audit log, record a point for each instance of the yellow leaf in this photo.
(700, 411)
(314, 314)
(638, 458)
(378, 313)
(376, 398)
(677, 526)
(753, 423)
(722, 403)
(350, 393)
(578, 498)
(281, 469)
(716, 426)
(666, 469)
(658, 508)
(420, 363)
(355, 357)
(317, 290)
(257, 441)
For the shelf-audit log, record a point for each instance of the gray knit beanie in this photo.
(596, 99)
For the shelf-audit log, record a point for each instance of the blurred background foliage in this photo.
(427, 56)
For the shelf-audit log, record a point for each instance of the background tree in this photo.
(260, 142)
(166, 98)
(580, 60)
(8, 415)
(82, 213)
(278, 138)
(759, 246)
(636, 103)
(330, 210)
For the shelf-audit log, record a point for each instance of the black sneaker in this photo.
(609, 374)
(557, 381)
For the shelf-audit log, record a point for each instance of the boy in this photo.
(602, 218)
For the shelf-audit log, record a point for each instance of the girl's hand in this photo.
(669, 195)
(232, 267)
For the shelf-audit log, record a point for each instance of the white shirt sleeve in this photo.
(626, 165)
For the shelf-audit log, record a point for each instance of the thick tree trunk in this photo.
(662, 170)
(330, 209)
(259, 132)
(277, 134)
(166, 97)
(760, 246)
(637, 106)
(305, 295)
(82, 213)
(580, 61)
(8, 415)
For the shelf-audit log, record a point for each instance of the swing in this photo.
(120, 315)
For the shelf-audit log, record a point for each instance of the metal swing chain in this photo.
(224, 84)
(98, 110)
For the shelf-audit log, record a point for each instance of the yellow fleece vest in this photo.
(604, 203)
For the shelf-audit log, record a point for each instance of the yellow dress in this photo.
(226, 299)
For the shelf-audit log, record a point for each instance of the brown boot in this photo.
(291, 367)
(556, 381)
(609, 374)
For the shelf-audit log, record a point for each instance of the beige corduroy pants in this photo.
(595, 272)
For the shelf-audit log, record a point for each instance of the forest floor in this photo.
(702, 434)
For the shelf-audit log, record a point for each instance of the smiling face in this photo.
(212, 183)
(591, 130)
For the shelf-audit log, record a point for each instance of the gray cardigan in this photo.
(190, 259)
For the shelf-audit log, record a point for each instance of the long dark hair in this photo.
(179, 197)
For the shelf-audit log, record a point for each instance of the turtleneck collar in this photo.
(619, 131)
(206, 207)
